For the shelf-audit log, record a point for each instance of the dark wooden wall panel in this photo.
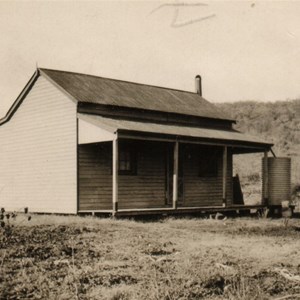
(203, 191)
(95, 180)
(229, 183)
(147, 188)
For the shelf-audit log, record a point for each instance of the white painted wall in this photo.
(38, 153)
(90, 133)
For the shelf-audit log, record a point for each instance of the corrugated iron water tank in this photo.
(278, 171)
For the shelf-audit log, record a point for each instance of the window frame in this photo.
(209, 163)
(132, 160)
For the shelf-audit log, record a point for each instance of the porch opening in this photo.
(247, 179)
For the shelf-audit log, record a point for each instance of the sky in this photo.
(243, 50)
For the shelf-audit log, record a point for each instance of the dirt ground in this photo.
(68, 257)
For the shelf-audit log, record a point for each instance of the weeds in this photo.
(84, 258)
(286, 223)
(7, 223)
(242, 288)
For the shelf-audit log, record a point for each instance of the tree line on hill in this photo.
(275, 122)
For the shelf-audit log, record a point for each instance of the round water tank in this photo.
(279, 179)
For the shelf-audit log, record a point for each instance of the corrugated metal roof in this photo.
(113, 125)
(99, 90)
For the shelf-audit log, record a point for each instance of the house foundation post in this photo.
(115, 171)
(224, 176)
(175, 174)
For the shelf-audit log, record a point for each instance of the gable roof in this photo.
(92, 89)
(20, 98)
(82, 88)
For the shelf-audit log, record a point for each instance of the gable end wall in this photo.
(38, 159)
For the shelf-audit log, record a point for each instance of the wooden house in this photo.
(75, 143)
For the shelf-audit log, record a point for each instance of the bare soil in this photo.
(63, 257)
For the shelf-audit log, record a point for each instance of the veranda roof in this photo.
(128, 128)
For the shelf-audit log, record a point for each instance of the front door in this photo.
(169, 177)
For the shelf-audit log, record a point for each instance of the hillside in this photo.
(276, 122)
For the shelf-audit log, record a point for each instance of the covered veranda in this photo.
(97, 130)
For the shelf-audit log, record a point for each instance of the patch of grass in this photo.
(56, 257)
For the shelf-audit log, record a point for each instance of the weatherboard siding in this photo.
(229, 181)
(204, 191)
(38, 151)
(146, 189)
(95, 177)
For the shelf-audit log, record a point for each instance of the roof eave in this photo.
(213, 141)
(83, 104)
(20, 98)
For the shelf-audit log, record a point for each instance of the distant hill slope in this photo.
(276, 122)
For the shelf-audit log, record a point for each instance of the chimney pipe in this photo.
(198, 85)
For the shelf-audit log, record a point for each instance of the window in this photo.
(127, 161)
(208, 165)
